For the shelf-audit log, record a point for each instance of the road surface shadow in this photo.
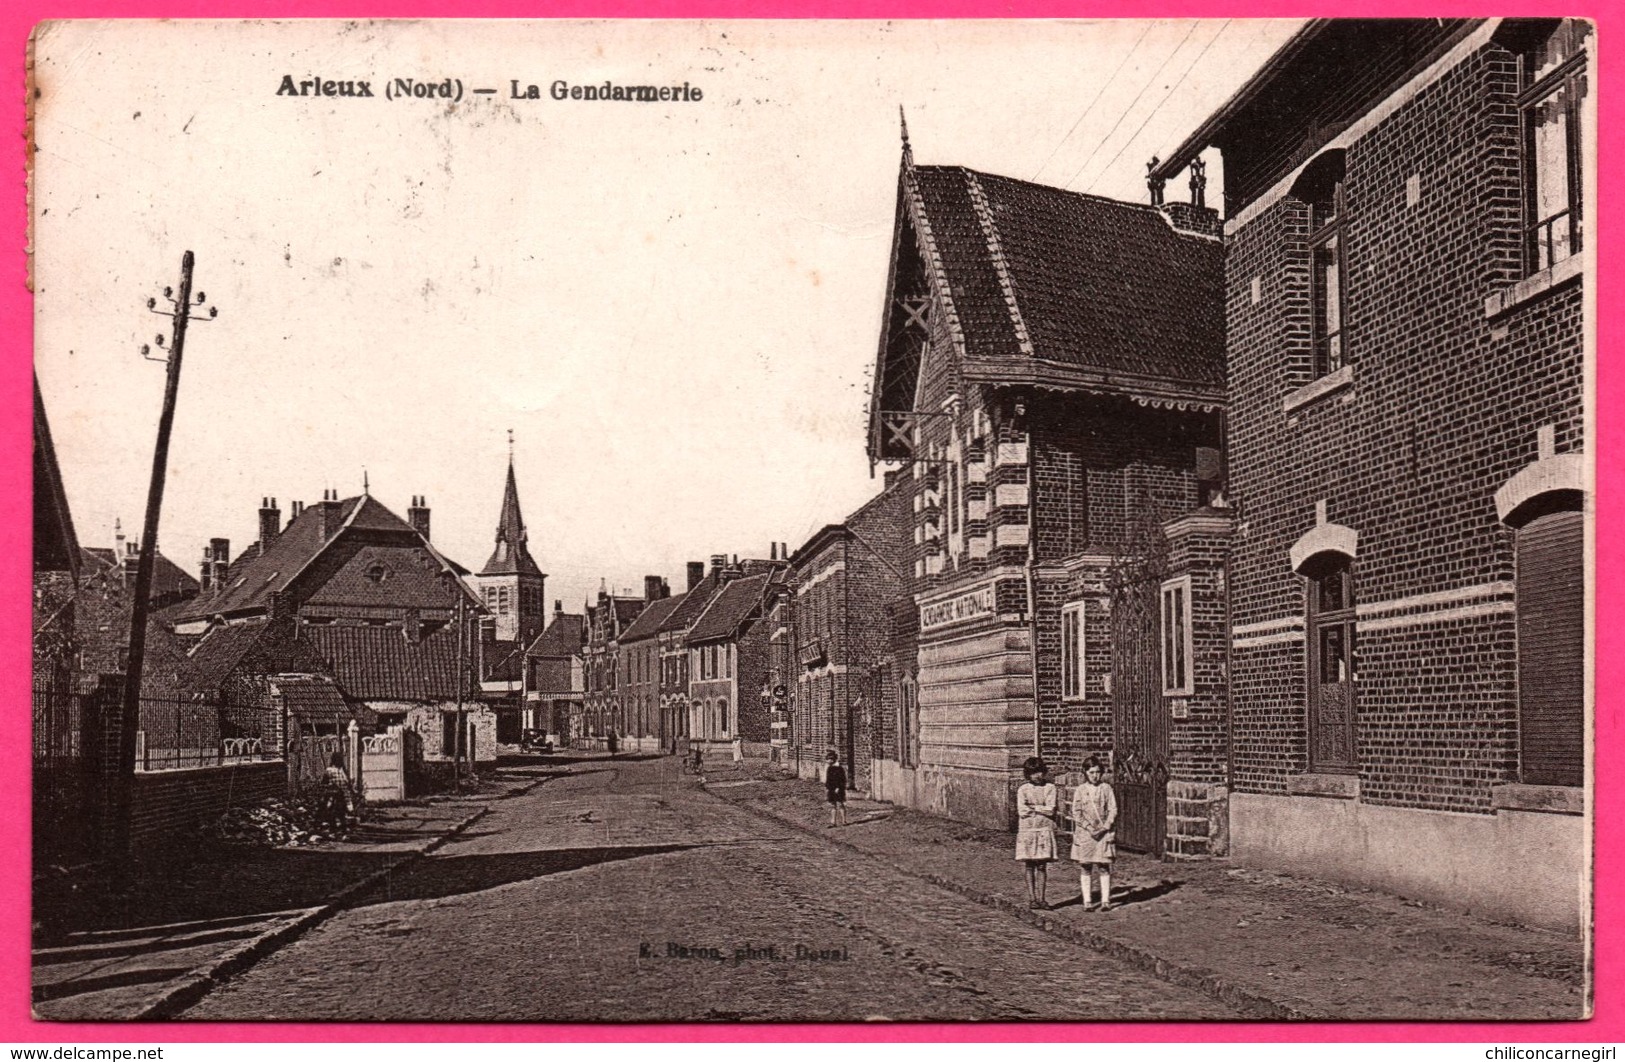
(442, 876)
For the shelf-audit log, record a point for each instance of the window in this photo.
(1324, 193)
(1072, 652)
(1332, 672)
(1552, 80)
(1176, 637)
(502, 600)
(1550, 553)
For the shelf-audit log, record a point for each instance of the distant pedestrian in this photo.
(835, 788)
(1036, 803)
(333, 803)
(1094, 844)
(613, 742)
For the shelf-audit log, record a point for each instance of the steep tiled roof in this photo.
(1105, 294)
(504, 661)
(690, 605)
(257, 647)
(647, 625)
(56, 547)
(168, 580)
(255, 578)
(380, 664)
(562, 639)
(729, 608)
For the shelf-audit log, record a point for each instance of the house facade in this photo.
(606, 620)
(555, 677)
(1403, 592)
(639, 664)
(844, 578)
(1050, 377)
(729, 665)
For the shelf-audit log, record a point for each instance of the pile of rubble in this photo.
(274, 824)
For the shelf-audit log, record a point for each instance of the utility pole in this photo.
(181, 313)
(457, 723)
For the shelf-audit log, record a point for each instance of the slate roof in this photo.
(56, 546)
(510, 557)
(1058, 287)
(504, 661)
(255, 578)
(258, 647)
(730, 608)
(312, 698)
(648, 623)
(380, 664)
(562, 639)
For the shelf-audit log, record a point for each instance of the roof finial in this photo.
(510, 446)
(1154, 182)
(366, 489)
(908, 152)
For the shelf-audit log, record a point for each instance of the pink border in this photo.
(19, 16)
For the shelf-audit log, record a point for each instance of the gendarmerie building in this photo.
(1051, 376)
(1407, 274)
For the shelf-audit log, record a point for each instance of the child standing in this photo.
(1035, 829)
(835, 788)
(1094, 811)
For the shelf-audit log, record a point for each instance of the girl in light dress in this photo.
(1036, 805)
(1094, 816)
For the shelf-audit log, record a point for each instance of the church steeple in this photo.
(511, 584)
(510, 557)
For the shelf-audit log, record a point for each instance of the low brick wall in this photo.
(165, 803)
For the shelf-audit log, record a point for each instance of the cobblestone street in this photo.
(624, 892)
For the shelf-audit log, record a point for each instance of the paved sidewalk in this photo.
(1276, 946)
(181, 925)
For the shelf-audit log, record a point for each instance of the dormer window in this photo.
(377, 573)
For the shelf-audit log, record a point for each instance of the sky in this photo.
(674, 307)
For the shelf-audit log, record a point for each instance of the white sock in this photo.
(1083, 888)
(1105, 887)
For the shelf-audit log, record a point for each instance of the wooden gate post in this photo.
(352, 756)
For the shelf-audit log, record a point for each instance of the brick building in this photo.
(389, 615)
(1050, 372)
(729, 649)
(844, 579)
(606, 620)
(639, 665)
(672, 640)
(1407, 277)
(555, 679)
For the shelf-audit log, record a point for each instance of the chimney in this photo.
(558, 607)
(295, 509)
(118, 540)
(279, 609)
(696, 573)
(332, 512)
(651, 588)
(205, 575)
(719, 561)
(772, 551)
(418, 515)
(129, 562)
(413, 625)
(220, 548)
(270, 522)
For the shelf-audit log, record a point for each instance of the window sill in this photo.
(1549, 799)
(1337, 786)
(1533, 287)
(1331, 383)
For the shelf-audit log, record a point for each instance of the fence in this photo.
(180, 734)
(66, 794)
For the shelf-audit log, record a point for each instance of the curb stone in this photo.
(1209, 982)
(193, 986)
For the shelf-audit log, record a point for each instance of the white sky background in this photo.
(675, 307)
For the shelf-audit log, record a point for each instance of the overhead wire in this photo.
(1194, 64)
(1104, 85)
(1149, 82)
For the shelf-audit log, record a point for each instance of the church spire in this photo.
(510, 555)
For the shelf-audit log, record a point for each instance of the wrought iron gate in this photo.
(1139, 717)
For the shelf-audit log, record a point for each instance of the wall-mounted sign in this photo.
(981, 602)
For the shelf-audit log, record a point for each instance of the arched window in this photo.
(1550, 553)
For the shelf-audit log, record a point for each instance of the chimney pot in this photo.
(270, 522)
(418, 516)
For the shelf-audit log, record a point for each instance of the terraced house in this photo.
(1408, 290)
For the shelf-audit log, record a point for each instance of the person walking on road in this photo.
(1036, 804)
(333, 804)
(1094, 842)
(613, 742)
(835, 788)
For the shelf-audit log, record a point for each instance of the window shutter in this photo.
(1551, 649)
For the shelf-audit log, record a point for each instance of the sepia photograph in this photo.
(659, 521)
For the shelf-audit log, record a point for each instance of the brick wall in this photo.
(1442, 410)
(174, 804)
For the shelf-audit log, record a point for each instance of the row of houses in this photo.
(1281, 510)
